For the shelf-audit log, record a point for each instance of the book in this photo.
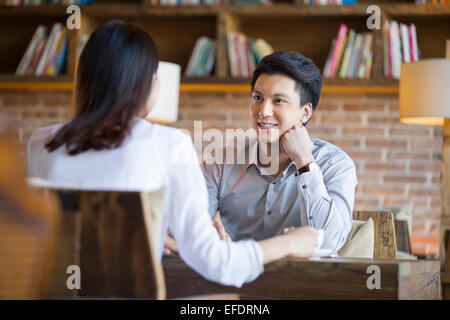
(385, 49)
(54, 64)
(396, 51)
(340, 42)
(347, 54)
(263, 48)
(47, 50)
(326, 68)
(354, 57)
(231, 54)
(355, 68)
(211, 59)
(405, 43)
(38, 35)
(414, 42)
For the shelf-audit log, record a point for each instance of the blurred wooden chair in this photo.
(28, 227)
(113, 238)
(385, 246)
(445, 275)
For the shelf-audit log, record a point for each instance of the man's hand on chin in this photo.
(297, 144)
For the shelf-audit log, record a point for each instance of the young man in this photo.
(315, 181)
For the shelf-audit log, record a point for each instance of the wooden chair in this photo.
(384, 231)
(112, 236)
(28, 227)
(445, 275)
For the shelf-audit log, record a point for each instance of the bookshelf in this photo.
(286, 25)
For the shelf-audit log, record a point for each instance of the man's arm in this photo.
(328, 198)
(212, 174)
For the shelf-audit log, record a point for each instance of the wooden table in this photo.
(319, 278)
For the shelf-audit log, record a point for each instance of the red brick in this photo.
(363, 107)
(383, 190)
(363, 131)
(345, 142)
(327, 106)
(404, 179)
(366, 204)
(424, 191)
(339, 119)
(321, 131)
(409, 131)
(402, 155)
(428, 144)
(388, 119)
(386, 143)
(379, 166)
(374, 155)
(431, 167)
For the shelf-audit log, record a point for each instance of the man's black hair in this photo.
(297, 67)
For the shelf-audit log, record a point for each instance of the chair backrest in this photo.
(385, 246)
(112, 237)
(28, 228)
(402, 237)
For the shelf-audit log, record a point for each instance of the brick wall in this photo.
(396, 163)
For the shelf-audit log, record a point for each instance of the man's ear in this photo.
(307, 110)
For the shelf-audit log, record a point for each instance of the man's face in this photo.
(275, 107)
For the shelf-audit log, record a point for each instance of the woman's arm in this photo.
(297, 242)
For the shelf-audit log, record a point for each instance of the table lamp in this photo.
(166, 107)
(425, 99)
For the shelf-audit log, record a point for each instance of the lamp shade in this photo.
(166, 107)
(425, 92)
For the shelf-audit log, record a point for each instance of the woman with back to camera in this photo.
(109, 145)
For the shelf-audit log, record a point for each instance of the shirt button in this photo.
(274, 182)
(304, 186)
(269, 212)
(310, 217)
(296, 174)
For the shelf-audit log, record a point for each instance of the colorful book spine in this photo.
(340, 42)
(347, 54)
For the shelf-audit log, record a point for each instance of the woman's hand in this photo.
(295, 242)
(217, 222)
(170, 246)
(302, 241)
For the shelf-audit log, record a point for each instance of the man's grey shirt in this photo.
(258, 206)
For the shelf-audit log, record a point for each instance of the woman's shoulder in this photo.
(44, 133)
(160, 133)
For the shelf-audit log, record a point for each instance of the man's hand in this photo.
(217, 222)
(297, 144)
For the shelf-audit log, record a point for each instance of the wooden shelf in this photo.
(209, 84)
(136, 10)
(308, 29)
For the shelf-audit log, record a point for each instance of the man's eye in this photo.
(256, 98)
(279, 101)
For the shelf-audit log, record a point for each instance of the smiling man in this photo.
(315, 181)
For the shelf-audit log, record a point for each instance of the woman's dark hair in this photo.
(113, 82)
(297, 67)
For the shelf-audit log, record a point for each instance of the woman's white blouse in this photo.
(151, 158)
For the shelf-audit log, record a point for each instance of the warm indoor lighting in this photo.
(425, 92)
(166, 108)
